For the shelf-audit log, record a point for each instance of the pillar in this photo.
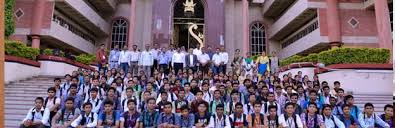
(383, 24)
(333, 20)
(2, 72)
(38, 13)
(132, 22)
(245, 26)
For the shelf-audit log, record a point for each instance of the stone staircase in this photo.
(19, 98)
(378, 101)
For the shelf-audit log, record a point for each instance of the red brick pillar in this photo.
(38, 14)
(334, 32)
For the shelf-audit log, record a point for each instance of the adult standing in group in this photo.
(154, 52)
(124, 59)
(274, 62)
(236, 63)
(225, 58)
(204, 60)
(114, 57)
(262, 62)
(101, 58)
(146, 60)
(169, 54)
(163, 61)
(134, 59)
(191, 61)
(197, 51)
(178, 61)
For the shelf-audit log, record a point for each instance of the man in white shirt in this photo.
(219, 119)
(289, 119)
(124, 59)
(114, 57)
(134, 59)
(225, 58)
(87, 118)
(178, 61)
(37, 116)
(204, 60)
(368, 119)
(197, 51)
(191, 61)
(217, 61)
(330, 120)
(146, 61)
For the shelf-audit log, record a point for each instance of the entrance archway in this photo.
(185, 14)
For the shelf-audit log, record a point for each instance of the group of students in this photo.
(193, 98)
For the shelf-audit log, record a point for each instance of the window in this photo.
(119, 33)
(257, 38)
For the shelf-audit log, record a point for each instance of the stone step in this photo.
(17, 102)
(26, 89)
(16, 112)
(12, 123)
(24, 92)
(24, 95)
(31, 84)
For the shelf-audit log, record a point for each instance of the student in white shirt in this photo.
(37, 116)
(368, 118)
(146, 61)
(178, 61)
(217, 61)
(134, 58)
(219, 119)
(197, 51)
(289, 119)
(87, 118)
(94, 100)
(224, 59)
(124, 59)
(51, 103)
(330, 120)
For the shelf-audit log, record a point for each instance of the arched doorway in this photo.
(185, 14)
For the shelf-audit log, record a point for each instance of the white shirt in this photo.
(217, 59)
(290, 120)
(38, 116)
(124, 57)
(191, 59)
(178, 58)
(95, 108)
(146, 59)
(168, 97)
(224, 57)
(89, 124)
(330, 124)
(219, 123)
(197, 52)
(207, 97)
(50, 102)
(203, 58)
(246, 110)
(155, 53)
(134, 56)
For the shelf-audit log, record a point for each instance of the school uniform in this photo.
(90, 120)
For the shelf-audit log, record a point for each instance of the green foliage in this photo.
(255, 57)
(9, 18)
(343, 56)
(85, 58)
(48, 51)
(19, 49)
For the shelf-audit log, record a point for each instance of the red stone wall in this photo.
(28, 8)
(366, 19)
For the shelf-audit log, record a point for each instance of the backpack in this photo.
(63, 111)
(374, 117)
(245, 123)
(124, 101)
(34, 112)
(294, 117)
(64, 87)
(84, 121)
(212, 102)
(333, 119)
(105, 119)
(277, 124)
(97, 102)
(341, 118)
(127, 118)
(261, 118)
(176, 104)
(248, 108)
(266, 104)
(207, 119)
(306, 119)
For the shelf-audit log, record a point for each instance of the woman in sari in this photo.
(262, 63)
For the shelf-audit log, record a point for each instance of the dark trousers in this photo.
(194, 68)
(155, 66)
(223, 68)
(100, 67)
(125, 67)
(204, 68)
(178, 66)
(164, 68)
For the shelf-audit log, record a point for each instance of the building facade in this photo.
(287, 27)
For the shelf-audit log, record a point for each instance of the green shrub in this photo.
(343, 56)
(48, 51)
(9, 18)
(19, 49)
(85, 58)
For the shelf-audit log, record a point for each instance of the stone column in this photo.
(38, 14)
(383, 24)
(132, 22)
(333, 20)
(245, 27)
